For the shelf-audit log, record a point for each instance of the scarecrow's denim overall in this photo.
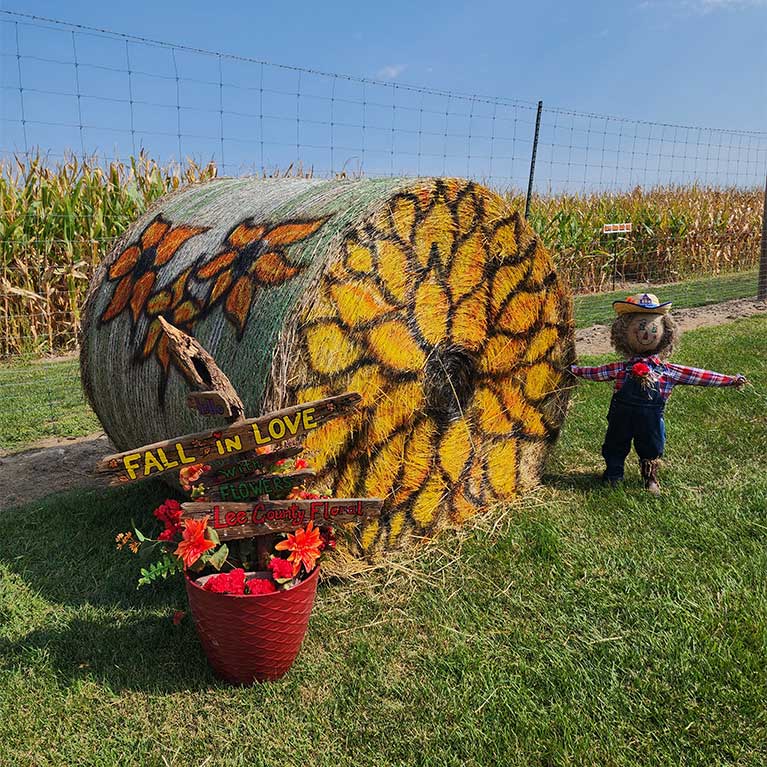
(635, 412)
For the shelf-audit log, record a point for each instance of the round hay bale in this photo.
(429, 297)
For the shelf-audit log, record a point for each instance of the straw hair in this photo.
(429, 297)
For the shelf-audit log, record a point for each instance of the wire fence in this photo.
(77, 101)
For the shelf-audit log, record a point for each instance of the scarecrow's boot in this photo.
(649, 469)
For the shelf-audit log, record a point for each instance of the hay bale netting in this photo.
(429, 297)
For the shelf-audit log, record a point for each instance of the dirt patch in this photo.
(51, 466)
(55, 465)
(596, 339)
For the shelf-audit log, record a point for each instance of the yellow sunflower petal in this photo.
(505, 281)
(504, 244)
(431, 310)
(185, 312)
(521, 312)
(540, 380)
(541, 343)
(466, 270)
(396, 524)
(358, 257)
(330, 349)
(393, 345)
(552, 310)
(328, 441)
(501, 354)
(393, 268)
(462, 508)
(519, 409)
(455, 449)
(436, 229)
(467, 214)
(369, 534)
(385, 467)
(541, 267)
(402, 213)
(151, 338)
(396, 407)
(490, 412)
(311, 393)
(419, 459)
(426, 508)
(502, 469)
(476, 481)
(179, 284)
(368, 381)
(470, 321)
(126, 261)
(358, 302)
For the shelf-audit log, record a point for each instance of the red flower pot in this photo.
(252, 638)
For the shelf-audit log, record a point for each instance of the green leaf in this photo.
(218, 558)
(213, 535)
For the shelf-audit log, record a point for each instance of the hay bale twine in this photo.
(430, 297)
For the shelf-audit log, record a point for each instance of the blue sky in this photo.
(693, 62)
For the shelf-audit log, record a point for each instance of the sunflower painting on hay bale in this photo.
(429, 297)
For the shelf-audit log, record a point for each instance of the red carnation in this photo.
(640, 370)
(301, 464)
(258, 586)
(227, 583)
(169, 513)
(281, 568)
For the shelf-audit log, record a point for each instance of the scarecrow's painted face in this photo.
(645, 332)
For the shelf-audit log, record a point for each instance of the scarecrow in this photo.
(644, 333)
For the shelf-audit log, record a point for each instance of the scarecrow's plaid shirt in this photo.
(668, 374)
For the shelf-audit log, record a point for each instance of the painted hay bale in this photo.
(429, 297)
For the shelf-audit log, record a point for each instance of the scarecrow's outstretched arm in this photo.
(680, 374)
(608, 372)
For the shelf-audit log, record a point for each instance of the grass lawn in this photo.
(596, 308)
(43, 399)
(591, 627)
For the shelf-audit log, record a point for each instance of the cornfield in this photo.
(58, 220)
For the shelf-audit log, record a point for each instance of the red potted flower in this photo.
(251, 621)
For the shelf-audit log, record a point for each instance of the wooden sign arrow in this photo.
(252, 489)
(213, 445)
(230, 472)
(233, 521)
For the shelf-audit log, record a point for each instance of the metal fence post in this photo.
(532, 159)
(761, 290)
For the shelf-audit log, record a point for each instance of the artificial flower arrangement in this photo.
(239, 567)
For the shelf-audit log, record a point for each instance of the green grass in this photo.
(42, 399)
(592, 627)
(596, 308)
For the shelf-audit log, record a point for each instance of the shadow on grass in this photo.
(143, 654)
(63, 546)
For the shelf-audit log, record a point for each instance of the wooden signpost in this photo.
(213, 445)
(256, 487)
(242, 480)
(233, 521)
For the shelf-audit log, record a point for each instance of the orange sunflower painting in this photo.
(138, 265)
(253, 255)
(445, 314)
